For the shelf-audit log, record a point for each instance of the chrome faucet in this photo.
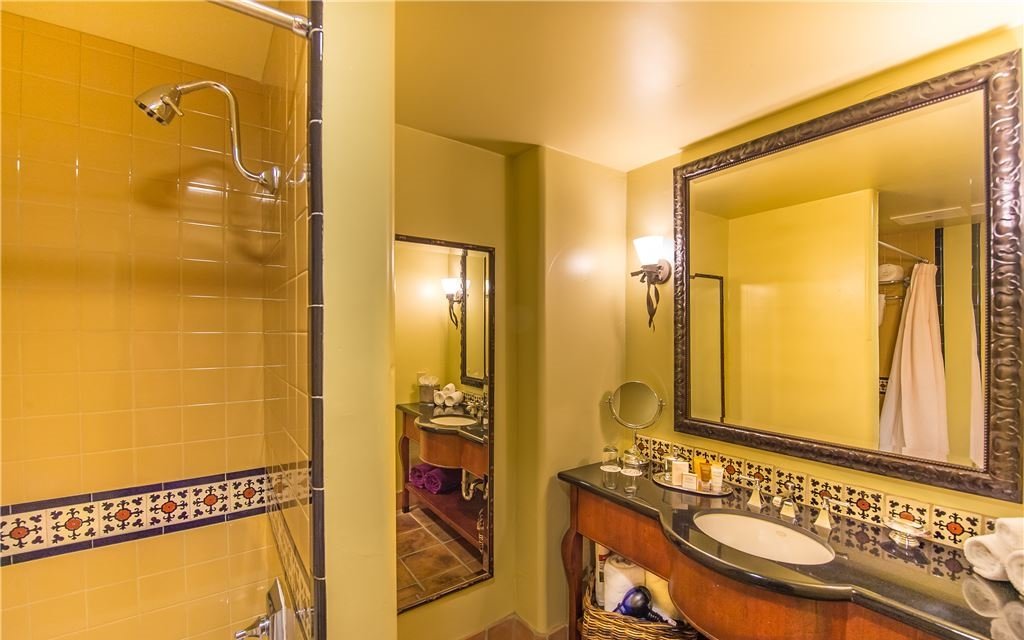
(788, 508)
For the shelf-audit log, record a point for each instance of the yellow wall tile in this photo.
(112, 602)
(158, 426)
(155, 464)
(203, 350)
(110, 565)
(161, 554)
(10, 99)
(208, 614)
(204, 457)
(59, 616)
(11, 54)
(49, 140)
(207, 578)
(203, 314)
(161, 590)
(103, 44)
(110, 469)
(49, 99)
(104, 150)
(203, 386)
(151, 308)
(101, 110)
(102, 432)
(51, 57)
(105, 390)
(169, 623)
(106, 71)
(49, 352)
(206, 543)
(203, 422)
(16, 622)
(156, 350)
(245, 452)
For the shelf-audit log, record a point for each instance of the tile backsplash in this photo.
(946, 526)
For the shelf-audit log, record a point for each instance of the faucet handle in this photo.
(755, 491)
(258, 629)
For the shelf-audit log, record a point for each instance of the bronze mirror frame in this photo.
(999, 79)
(480, 383)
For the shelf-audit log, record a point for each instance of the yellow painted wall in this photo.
(421, 317)
(649, 354)
(453, 191)
(569, 223)
(359, 446)
(801, 277)
(709, 254)
(958, 325)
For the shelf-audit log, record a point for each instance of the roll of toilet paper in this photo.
(601, 554)
(620, 575)
(661, 602)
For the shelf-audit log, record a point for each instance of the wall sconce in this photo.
(452, 288)
(654, 269)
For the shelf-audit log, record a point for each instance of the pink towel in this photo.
(441, 480)
(417, 473)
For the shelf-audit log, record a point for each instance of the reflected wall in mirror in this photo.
(444, 310)
(837, 301)
(635, 405)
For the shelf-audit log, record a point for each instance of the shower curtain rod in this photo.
(906, 253)
(299, 25)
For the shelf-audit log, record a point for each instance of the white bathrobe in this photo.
(913, 420)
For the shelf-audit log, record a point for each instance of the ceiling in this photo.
(194, 31)
(626, 83)
(930, 159)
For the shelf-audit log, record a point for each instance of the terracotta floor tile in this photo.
(430, 562)
(408, 596)
(446, 579)
(406, 522)
(415, 540)
(466, 554)
(405, 578)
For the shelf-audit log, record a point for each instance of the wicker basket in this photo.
(598, 624)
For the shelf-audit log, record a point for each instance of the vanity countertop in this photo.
(474, 433)
(924, 588)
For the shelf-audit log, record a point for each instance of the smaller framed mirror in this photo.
(635, 405)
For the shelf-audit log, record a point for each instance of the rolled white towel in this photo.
(986, 598)
(456, 398)
(439, 398)
(448, 388)
(1015, 570)
(1013, 613)
(1011, 532)
(1001, 630)
(987, 555)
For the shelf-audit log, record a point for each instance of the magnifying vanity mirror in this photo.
(444, 350)
(635, 405)
(848, 289)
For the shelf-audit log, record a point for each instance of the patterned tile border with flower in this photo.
(73, 523)
(946, 525)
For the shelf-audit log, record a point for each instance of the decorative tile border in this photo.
(948, 527)
(47, 528)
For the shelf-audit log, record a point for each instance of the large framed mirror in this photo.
(444, 354)
(848, 289)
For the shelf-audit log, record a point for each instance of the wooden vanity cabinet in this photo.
(444, 450)
(718, 606)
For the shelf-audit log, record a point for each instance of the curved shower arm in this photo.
(270, 178)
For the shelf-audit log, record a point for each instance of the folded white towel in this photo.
(986, 598)
(1013, 613)
(1011, 532)
(986, 555)
(1001, 630)
(887, 272)
(1015, 570)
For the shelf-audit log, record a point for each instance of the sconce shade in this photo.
(450, 286)
(650, 249)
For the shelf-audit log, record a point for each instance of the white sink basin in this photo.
(763, 537)
(453, 421)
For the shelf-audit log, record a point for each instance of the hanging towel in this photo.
(881, 308)
(913, 420)
(889, 272)
(439, 480)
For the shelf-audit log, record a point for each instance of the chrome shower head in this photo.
(161, 102)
